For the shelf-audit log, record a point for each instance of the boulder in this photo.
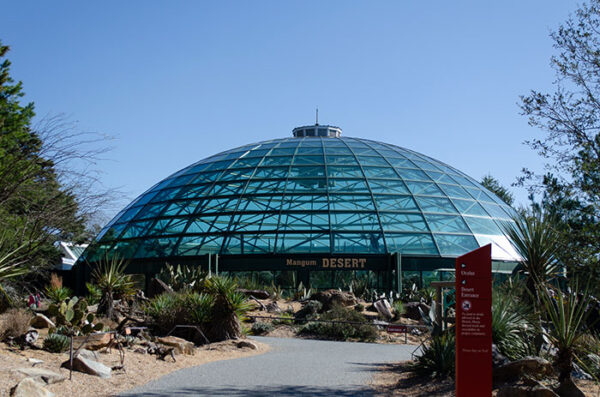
(579, 373)
(29, 388)
(158, 287)
(34, 361)
(384, 308)
(94, 342)
(88, 354)
(331, 297)
(181, 346)
(525, 391)
(530, 367)
(273, 307)
(309, 310)
(41, 374)
(257, 293)
(89, 367)
(246, 343)
(41, 321)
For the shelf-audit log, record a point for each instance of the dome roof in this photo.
(310, 194)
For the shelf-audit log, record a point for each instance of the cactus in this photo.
(73, 316)
(56, 343)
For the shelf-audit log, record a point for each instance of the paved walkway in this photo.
(293, 367)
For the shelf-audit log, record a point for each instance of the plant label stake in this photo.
(474, 323)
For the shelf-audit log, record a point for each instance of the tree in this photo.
(569, 119)
(44, 195)
(493, 185)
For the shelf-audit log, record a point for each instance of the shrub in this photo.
(437, 358)
(57, 294)
(359, 308)
(179, 308)
(512, 327)
(56, 343)
(398, 307)
(94, 293)
(285, 319)
(358, 328)
(14, 323)
(261, 328)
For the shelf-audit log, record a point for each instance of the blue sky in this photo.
(178, 81)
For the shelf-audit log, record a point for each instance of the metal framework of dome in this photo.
(316, 193)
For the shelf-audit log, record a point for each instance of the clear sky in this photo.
(178, 81)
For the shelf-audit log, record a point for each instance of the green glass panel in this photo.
(401, 163)
(351, 202)
(306, 185)
(395, 203)
(412, 174)
(340, 160)
(304, 202)
(334, 171)
(338, 151)
(310, 151)
(304, 221)
(440, 177)
(307, 172)
(355, 221)
(388, 186)
(402, 222)
(380, 172)
(496, 211)
(454, 191)
(303, 243)
(283, 151)
(482, 225)
(259, 203)
(308, 160)
(275, 161)
(411, 243)
(426, 165)
(189, 246)
(372, 160)
(424, 188)
(347, 185)
(155, 247)
(358, 243)
(261, 187)
(270, 172)
(246, 162)
(469, 207)
(455, 244)
(259, 243)
(188, 192)
(447, 223)
(136, 229)
(435, 204)
(360, 151)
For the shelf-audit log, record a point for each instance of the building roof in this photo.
(311, 194)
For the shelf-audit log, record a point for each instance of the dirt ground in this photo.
(394, 380)
(139, 368)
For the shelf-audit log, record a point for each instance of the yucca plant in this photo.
(182, 277)
(533, 236)
(566, 314)
(10, 266)
(229, 306)
(110, 277)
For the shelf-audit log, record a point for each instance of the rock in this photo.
(181, 346)
(93, 308)
(87, 354)
(532, 367)
(41, 321)
(331, 297)
(498, 358)
(94, 342)
(416, 332)
(89, 367)
(41, 374)
(525, 391)
(140, 350)
(158, 287)
(34, 361)
(29, 388)
(383, 308)
(380, 324)
(273, 307)
(257, 293)
(31, 336)
(579, 373)
(309, 310)
(246, 343)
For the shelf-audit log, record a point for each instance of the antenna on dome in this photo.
(317, 121)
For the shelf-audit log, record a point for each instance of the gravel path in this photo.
(293, 367)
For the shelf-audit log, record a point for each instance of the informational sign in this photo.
(474, 323)
(396, 328)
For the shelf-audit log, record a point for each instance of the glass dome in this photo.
(310, 194)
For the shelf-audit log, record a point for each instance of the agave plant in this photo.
(182, 277)
(110, 277)
(436, 358)
(10, 266)
(533, 236)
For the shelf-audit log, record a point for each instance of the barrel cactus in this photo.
(56, 343)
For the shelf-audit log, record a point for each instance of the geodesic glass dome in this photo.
(310, 194)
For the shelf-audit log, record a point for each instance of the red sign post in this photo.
(474, 323)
